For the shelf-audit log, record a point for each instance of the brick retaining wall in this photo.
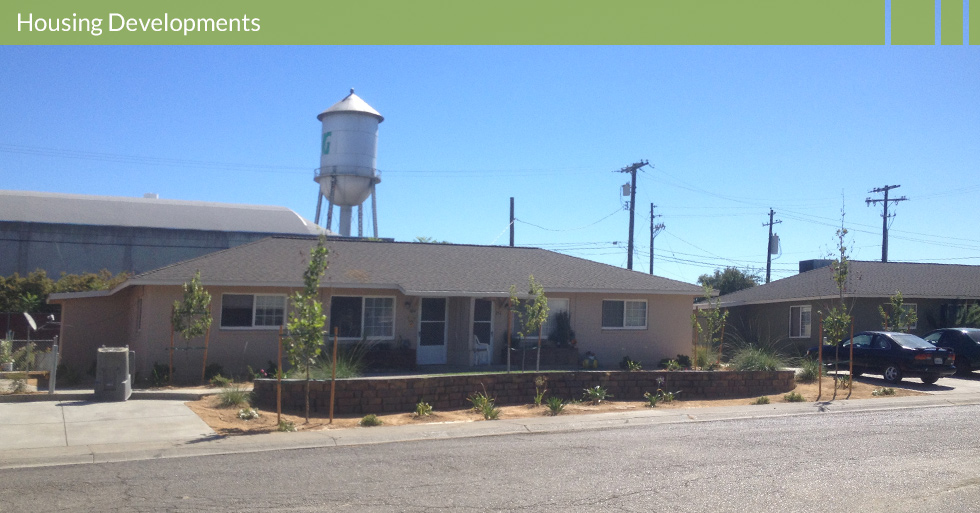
(400, 395)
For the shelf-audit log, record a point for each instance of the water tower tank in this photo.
(348, 153)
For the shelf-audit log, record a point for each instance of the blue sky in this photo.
(730, 132)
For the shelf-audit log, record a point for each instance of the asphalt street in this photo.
(895, 460)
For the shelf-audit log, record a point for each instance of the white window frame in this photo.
(254, 326)
(394, 318)
(799, 309)
(624, 326)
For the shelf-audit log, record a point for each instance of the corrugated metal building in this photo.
(75, 233)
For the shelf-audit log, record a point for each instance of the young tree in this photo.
(304, 340)
(709, 324)
(901, 318)
(730, 280)
(192, 318)
(837, 319)
(513, 308)
(535, 313)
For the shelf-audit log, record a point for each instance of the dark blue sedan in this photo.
(965, 342)
(893, 355)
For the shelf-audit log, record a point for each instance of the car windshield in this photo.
(910, 341)
(974, 334)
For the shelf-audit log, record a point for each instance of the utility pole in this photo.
(769, 244)
(631, 169)
(654, 231)
(511, 221)
(884, 216)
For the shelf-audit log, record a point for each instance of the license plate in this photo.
(939, 361)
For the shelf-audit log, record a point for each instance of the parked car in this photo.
(965, 342)
(893, 355)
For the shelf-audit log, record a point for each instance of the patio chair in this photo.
(481, 352)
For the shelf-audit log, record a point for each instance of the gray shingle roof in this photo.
(869, 279)
(414, 268)
(53, 208)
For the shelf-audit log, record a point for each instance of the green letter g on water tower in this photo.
(326, 143)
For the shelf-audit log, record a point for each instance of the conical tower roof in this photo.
(352, 103)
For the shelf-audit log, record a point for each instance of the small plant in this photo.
(842, 382)
(667, 397)
(762, 400)
(212, 370)
(423, 409)
(219, 381)
(6, 351)
(793, 397)
(248, 413)
(159, 376)
(539, 390)
(751, 358)
(596, 394)
(484, 404)
(629, 365)
(371, 420)
(286, 426)
(20, 386)
(555, 405)
(652, 399)
(808, 371)
(234, 396)
(671, 365)
(883, 391)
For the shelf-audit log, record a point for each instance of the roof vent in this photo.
(809, 265)
(151, 195)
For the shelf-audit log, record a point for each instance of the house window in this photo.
(799, 321)
(554, 306)
(252, 310)
(624, 314)
(362, 317)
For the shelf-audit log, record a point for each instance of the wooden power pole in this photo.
(769, 245)
(884, 216)
(631, 169)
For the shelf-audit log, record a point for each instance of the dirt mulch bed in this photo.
(225, 421)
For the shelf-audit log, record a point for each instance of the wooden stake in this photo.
(820, 360)
(170, 370)
(204, 361)
(279, 382)
(333, 372)
(721, 344)
(510, 318)
(850, 383)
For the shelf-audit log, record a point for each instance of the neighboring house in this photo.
(790, 309)
(74, 233)
(435, 299)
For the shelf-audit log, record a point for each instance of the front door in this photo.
(483, 323)
(432, 332)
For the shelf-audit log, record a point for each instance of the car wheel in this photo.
(963, 368)
(930, 379)
(892, 374)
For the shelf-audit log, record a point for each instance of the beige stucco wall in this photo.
(120, 320)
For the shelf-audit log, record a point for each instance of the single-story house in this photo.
(790, 309)
(443, 302)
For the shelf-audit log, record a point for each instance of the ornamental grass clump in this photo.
(234, 396)
(555, 405)
(751, 358)
(596, 394)
(808, 371)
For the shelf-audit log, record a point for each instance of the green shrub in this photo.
(235, 396)
(159, 376)
(555, 405)
(842, 382)
(750, 358)
(793, 397)
(370, 420)
(761, 400)
(350, 364)
(539, 390)
(652, 399)
(808, 371)
(484, 404)
(670, 365)
(596, 394)
(883, 391)
(219, 381)
(423, 409)
(286, 425)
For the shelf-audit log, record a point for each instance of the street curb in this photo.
(89, 395)
(351, 437)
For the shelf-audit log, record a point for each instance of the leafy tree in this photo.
(837, 319)
(901, 318)
(968, 316)
(709, 323)
(535, 313)
(730, 280)
(304, 342)
(192, 317)
(430, 240)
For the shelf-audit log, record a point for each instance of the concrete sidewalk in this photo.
(71, 432)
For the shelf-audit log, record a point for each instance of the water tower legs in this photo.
(374, 211)
(345, 220)
(360, 220)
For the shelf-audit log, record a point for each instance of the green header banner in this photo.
(252, 22)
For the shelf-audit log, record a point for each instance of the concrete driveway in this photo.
(43, 424)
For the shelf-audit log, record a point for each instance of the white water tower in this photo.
(348, 153)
